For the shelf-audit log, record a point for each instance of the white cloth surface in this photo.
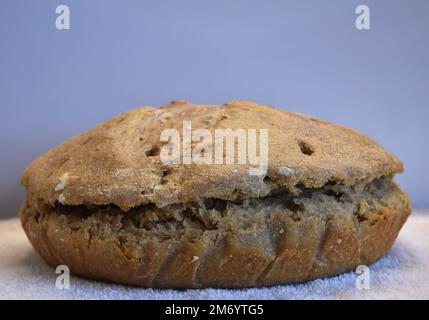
(402, 274)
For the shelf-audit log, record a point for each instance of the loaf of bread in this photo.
(106, 205)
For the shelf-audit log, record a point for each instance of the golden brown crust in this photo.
(108, 164)
(285, 249)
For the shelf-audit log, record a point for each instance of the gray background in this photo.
(299, 55)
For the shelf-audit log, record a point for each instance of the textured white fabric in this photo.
(402, 274)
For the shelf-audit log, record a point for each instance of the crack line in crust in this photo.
(320, 246)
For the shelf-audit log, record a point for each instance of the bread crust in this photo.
(288, 249)
(116, 164)
(108, 165)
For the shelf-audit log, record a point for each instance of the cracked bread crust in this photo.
(117, 163)
(278, 239)
(104, 204)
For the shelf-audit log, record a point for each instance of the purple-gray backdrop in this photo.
(299, 55)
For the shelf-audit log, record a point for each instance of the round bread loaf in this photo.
(104, 204)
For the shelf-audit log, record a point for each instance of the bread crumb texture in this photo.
(277, 239)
